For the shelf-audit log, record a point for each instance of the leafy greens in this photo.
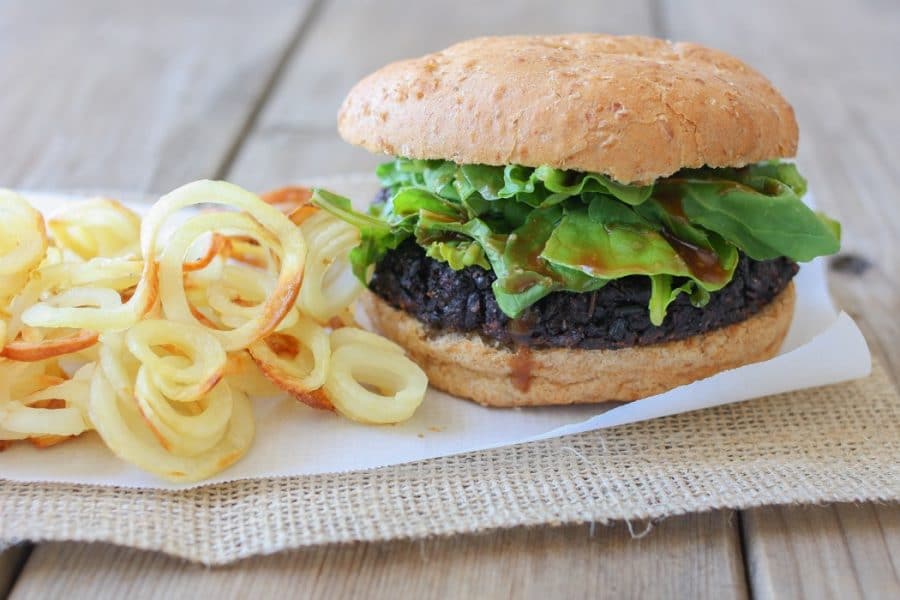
(543, 230)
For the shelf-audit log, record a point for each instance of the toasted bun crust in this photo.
(465, 366)
(634, 108)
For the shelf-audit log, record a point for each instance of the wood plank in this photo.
(841, 551)
(144, 98)
(296, 136)
(837, 64)
(694, 556)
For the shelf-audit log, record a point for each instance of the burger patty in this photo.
(615, 316)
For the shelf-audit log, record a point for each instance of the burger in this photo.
(578, 218)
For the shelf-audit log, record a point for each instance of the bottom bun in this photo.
(466, 366)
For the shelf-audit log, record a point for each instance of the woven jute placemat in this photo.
(838, 443)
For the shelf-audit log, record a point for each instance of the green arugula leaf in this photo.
(757, 209)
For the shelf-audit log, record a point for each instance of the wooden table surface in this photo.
(115, 95)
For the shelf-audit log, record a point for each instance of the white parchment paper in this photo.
(823, 346)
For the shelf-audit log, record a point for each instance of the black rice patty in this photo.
(615, 316)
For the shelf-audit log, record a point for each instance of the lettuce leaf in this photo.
(757, 209)
(377, 236)
(616, 250)
(543, 230)
(537, 187)
(458, 254)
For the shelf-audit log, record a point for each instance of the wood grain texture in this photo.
(143, 97)
(841, 551)
(688, 557)
(296, 134)
(103, 94)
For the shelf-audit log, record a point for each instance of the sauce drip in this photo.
(518, 283)
(523, 249)
(520, 329)
(520, 366)
(527, 254)
(591, 263)
(702, 263)
(670, 199)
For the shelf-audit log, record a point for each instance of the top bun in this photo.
(633, 108)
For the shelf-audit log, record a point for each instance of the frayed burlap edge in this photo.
(833, 444)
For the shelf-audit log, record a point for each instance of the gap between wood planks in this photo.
(290, 50)
(12, 562)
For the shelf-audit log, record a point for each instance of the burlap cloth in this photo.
(838, 443)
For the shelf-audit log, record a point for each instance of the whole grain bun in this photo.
(634, 108)
(463, 365)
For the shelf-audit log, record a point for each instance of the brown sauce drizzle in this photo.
(520, 329)
(591, 262)
(520, 367)
(670, 199)
(527, 255)
(522, 282)
(531, 268)
(521, 363)
(702, 263)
